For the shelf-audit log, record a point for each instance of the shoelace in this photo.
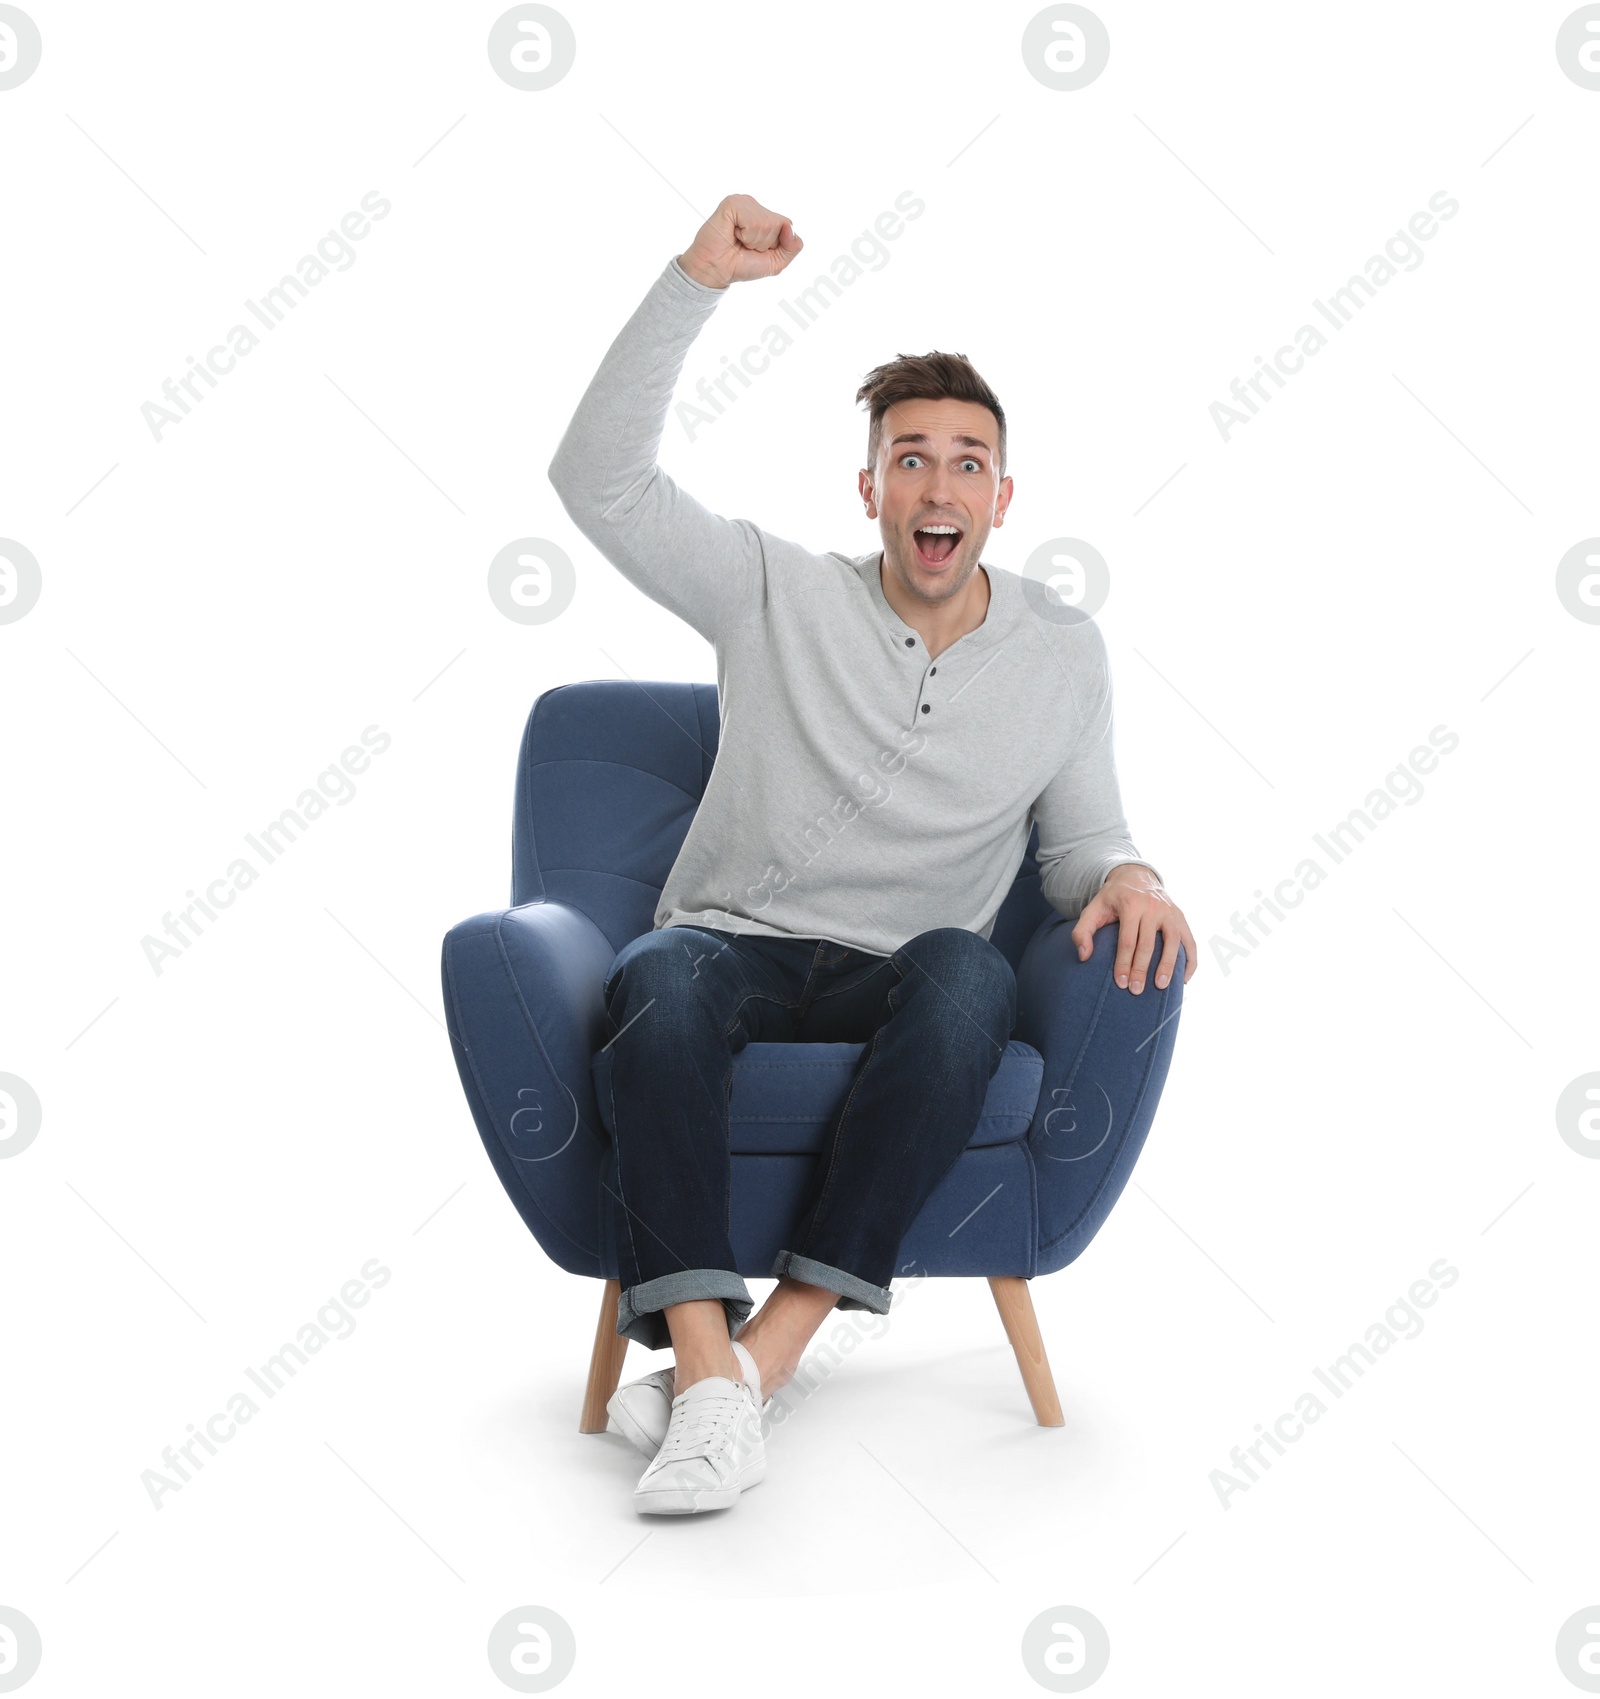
(701, 1429)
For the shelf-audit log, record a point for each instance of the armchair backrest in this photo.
(608, 779)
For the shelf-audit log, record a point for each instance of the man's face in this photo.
(936, 466)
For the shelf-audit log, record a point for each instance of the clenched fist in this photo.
(741, 240)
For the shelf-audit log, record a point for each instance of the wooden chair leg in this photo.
(1012, 1298)
(605, 1364)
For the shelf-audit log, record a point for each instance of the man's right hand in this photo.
(740, 241)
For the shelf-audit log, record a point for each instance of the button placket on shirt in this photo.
(924, 707)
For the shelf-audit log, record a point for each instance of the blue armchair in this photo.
(608, 778)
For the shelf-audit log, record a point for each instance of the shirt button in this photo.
(932, 671)
(925, 708)
(911, 642)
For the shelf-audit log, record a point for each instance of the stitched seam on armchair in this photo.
(1033, 1204)
(522, 805)
(764, 1063)
(1133, 1112)
(483, 1099)
(627, 766)
(599, 873)
(1024, 1115)
(602, 1141)
(482, 1104)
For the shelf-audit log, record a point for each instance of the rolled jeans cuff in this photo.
(639, 1308)
(854, 1292)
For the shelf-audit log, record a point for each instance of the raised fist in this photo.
(741, 240)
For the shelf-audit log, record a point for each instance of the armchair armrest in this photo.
(1106, 1054)
(525, 1011)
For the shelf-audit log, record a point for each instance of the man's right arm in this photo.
(708, 570)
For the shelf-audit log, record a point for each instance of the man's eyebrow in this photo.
(960, 439)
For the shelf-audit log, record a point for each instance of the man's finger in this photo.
(1169, 955)
(1083, 932)
(1128, 936)
(1188, 953)
(1145, 949)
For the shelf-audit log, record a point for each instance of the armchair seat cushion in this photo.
(785, 1097)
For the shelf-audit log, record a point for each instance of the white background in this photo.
(224, 610)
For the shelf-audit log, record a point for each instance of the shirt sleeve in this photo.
(1082, 831)
(708, 570)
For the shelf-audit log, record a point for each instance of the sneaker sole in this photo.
(676, 1501)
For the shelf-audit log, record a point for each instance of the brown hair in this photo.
(926, 377)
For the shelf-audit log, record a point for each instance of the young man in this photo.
(892, 725)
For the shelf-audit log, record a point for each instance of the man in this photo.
(892, 725)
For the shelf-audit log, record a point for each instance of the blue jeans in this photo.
(682, 1001)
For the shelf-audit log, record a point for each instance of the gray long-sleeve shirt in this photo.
(863, 791)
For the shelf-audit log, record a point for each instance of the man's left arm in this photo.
(1088, 864)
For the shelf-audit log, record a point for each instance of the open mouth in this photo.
(936, 544)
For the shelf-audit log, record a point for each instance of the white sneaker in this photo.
(713, 1447)
(643, 1408)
